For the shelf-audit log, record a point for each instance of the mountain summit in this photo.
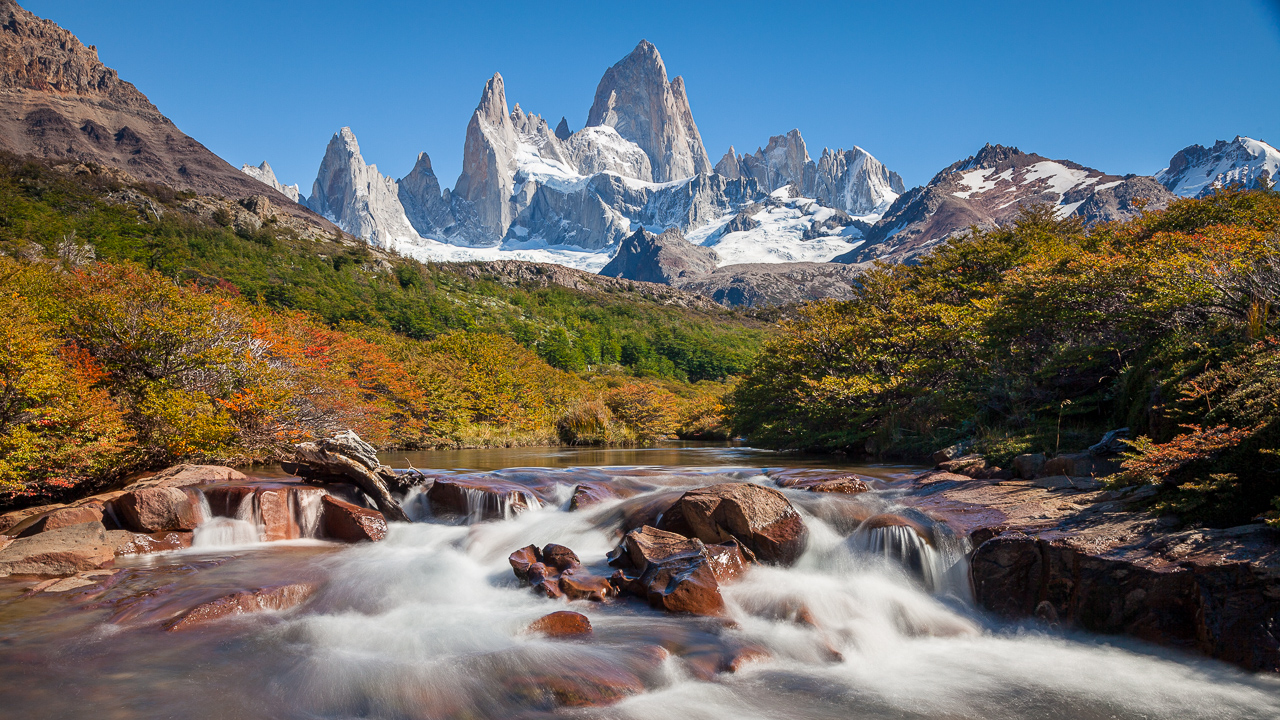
(1196, 171)
(635, 99)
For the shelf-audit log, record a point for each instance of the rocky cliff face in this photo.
(661, 258)
(265, 175)
(356, 197)
(424, 205)
(772, 284)
(58, 100)
(1196, 171)
(851, 181)
(482, 194)
(635, 99)
(993, 187)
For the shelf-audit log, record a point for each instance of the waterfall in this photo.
(482, 504)
(307, 507)
(931, 552)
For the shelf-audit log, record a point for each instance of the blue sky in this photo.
(1118, 85)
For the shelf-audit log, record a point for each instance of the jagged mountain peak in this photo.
(267, 176)
(562, 129)
(493, 101)
(635, 98)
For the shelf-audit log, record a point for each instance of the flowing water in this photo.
(872, 622)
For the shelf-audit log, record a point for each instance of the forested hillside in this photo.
(139, 328)
(1040, 336)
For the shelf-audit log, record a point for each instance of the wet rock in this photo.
(544, 581)
(578, 585)
(563, 623)
(647, 509)
(64, 551)
(477, 499)
(1029, 465)
(351, 523)
(559, 557)
(670, 572)
(885, 520)
(593, 493)
(280, 597)
(729, 560)
(127, 542)
(758, 517)
(820, 481)
(281, 510)
(346, 456)
(524, 558)
(574, 687)
(63, 517)
(157, 508)
(180, 476)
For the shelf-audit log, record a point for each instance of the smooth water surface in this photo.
(430, 624)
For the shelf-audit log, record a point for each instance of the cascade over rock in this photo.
(356, 197)
(635, 99)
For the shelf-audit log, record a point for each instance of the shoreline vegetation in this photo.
(1039, 338)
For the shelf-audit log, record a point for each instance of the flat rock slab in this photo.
(180, 476)
(64, 551)
(280, 597)
(1100, 562)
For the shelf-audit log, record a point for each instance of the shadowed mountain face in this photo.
(992, 188)
(57, 100)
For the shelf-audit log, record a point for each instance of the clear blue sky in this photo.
(1116, 85)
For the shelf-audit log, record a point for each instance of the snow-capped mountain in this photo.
(264, 174)
(1196, 171)
(992, 187)
(532, 193)
(852, 181)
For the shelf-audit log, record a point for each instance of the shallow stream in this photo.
(430, 624)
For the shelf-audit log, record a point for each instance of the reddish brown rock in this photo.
(524, 558)
(64, 551)
(574, 687)
(280, 597)
(669, 571)
(884, 520)
(593, 493)
(544, 581)
(646, 510)
(559, 557)
(563, 623)
(225, 500)
(180, 476)
(760, 518)
(684, 585)
(157, 508)
(63, 517)
(126, 542)
(729, 560)
(584, 586)
(479, 499)
(351, 523)
(820, 481)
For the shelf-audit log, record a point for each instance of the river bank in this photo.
(875, 618)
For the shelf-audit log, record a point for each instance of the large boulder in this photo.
(64, 551)
(351, 523)
(158, 508)
(760, 518)
(60, 518)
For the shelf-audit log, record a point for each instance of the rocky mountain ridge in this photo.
(1196, 171)
(59, 101)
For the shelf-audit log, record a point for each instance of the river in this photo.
(429, 623)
